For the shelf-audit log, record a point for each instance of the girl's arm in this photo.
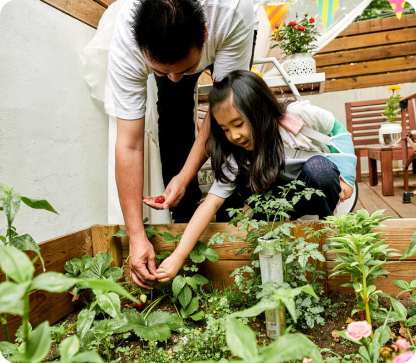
(199, 222)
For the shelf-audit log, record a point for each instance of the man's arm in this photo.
(129, 176)
(177, 186)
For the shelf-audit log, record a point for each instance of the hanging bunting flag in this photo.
(327, 9)
(398, 7)
(276, 14)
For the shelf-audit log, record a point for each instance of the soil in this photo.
(320, 335)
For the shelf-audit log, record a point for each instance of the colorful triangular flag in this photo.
(327, 9)
(276, 14)
(398, 7)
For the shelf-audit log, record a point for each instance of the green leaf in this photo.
(113, 273)
(412, 248)
(11, 205)
(38, 204)
(212, 255)
(200, 280)
(52, 282)
(399, 309)
(241, 340)
(90, 357)
(120, 233)
(100, 263)
(290, 347)
(197, 255)
(86, 262)
(69, 347)
(73, 266)
(170, 238)
(108, 285)
(10, 297)
(150, 231)
(110, 303)
(39, 343)
(256, 310)
(185, 296)
(163, 317)
(191, 308)
(27, 243)
(382, 334)
(5, 189)
(7, 349)
(197, 316)
(401, 284)
(177, 285)
(191, 282)
(84, 322)
(16, 264)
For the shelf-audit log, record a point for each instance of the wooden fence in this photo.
(90, 241)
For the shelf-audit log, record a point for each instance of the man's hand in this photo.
(173, 194)
(346, 191)
(142, 253)
(169, 268)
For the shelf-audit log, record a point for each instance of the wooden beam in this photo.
(371, 40)
(372, 26)
(365, 54)
(390, 65)
(102, 242)
(370, 81)
(87, 11)
(105, 3)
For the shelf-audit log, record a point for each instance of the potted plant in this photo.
(297, 40)
(390, 131)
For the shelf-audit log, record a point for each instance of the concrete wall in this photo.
(335, 102)
(53, 135)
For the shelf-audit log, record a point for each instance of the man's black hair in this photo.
(167, 30)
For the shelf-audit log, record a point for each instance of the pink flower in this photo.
(404, 357)
(402, 344)
(358, 329)
(307, 360)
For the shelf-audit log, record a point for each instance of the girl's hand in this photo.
(169, 268)
(346, 191)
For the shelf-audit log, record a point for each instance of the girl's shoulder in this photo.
(315, 117)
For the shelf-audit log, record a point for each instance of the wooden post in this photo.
(101, 242)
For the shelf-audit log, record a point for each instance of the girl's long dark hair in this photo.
(260, 109)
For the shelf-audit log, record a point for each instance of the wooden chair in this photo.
(363, 122)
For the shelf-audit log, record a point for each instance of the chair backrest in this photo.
(365, 117)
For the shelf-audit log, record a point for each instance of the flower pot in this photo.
(390, 133)
(271, 267)
(299, 64)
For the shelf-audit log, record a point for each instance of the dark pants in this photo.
(175, 106)
(317, 173)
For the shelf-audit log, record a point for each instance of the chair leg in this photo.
(387, 185)
(372, 171)
(359, 177)
(414, 166)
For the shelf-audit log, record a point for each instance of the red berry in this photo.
(139, 305)
(301, 28)
(160, 199)
(312, 20)
(292, 23)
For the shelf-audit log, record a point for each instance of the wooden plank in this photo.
(372, 26)
(365, 54)
(87, 11)
(55, 252)
(371, 202)
(390, 65)
(371, 40)
(370, 81)
(215, 271)
(105, 3)
(404, 270)
(102, 243)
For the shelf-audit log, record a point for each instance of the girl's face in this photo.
(231, 121)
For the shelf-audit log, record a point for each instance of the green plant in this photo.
(391, 110)
(294, 38)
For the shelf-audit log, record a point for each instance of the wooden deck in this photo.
(372, 199)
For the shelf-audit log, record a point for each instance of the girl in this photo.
(252, 149)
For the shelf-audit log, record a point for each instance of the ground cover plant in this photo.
(188, 320)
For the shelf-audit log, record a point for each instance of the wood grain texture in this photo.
(87, 11)
(372, 26)
(102, 242)
(105, 3)
(370, 81)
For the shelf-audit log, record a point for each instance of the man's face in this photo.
(176, 71)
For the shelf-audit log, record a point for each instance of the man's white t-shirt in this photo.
(315, 117)
(229, 47)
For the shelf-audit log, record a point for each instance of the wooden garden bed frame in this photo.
(90, 241)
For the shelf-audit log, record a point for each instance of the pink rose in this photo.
(404, 357)
(307, 360)
(358, 329)
(402, 344)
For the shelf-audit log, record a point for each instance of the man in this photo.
(176, 40)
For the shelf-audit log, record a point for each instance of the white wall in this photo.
(335, 102)
(53, 136)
